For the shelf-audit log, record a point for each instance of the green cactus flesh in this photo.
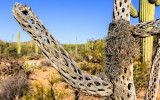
(146, 13)
(133, 12)
(19, 44)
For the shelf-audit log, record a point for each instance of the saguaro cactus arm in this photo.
(133, 12)
(57, 56)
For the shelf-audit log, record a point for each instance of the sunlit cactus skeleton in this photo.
(116, 82)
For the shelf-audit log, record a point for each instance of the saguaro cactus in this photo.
(19, 44)
(146, 13)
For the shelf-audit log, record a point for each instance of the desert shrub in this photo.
(39, 92)
(30, 67)
(85, 67)
(141, 76)
(12, 66)
(45, 63)
(78, 58)
(3, 45)
(33, 56)
(11, 51)
(13, 87)
(26, 50)
(54, 79)
(91, 68)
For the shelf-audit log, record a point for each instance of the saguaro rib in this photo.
(58, 57)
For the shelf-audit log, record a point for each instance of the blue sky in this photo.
(65, 19)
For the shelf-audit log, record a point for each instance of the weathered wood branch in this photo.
(57, 56)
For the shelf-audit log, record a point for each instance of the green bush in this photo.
(141, 76)
(40, 92)
(11, 51)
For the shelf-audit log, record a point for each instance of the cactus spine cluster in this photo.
(146, 13)
(19, 44)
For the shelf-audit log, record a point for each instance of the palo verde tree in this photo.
(116, 82)
(146, 13)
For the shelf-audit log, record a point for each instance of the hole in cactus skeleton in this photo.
(46, 48)
(129, 86)
(81, 84)
(120, 4)
(80, 78)
(89, 84)
(55, 54)
(101, 90)
(45, 54)
(43, 27)
(40, 37)
(123, 9)
(79, 71)
(46, 40)
(115, 1)
(23, 25)
(29, 26)
(39, 26)
(87, 78)
(54, 45)
(46, 33)
(64, 69)
(29, 32)
(31, 21)
(125, 70)
(25, 12)
(154, 79)
(24, 20)
(36, 29)
(104, 84)
(73, 68)
(74, 77)
(97, 83)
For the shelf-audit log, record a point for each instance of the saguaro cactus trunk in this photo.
(146, 13)
(19, 44)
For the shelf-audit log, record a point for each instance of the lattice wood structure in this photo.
(117, 81)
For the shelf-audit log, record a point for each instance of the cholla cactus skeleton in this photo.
(117, 80)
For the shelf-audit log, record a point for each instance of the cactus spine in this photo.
(146, 13)
(19, 44)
